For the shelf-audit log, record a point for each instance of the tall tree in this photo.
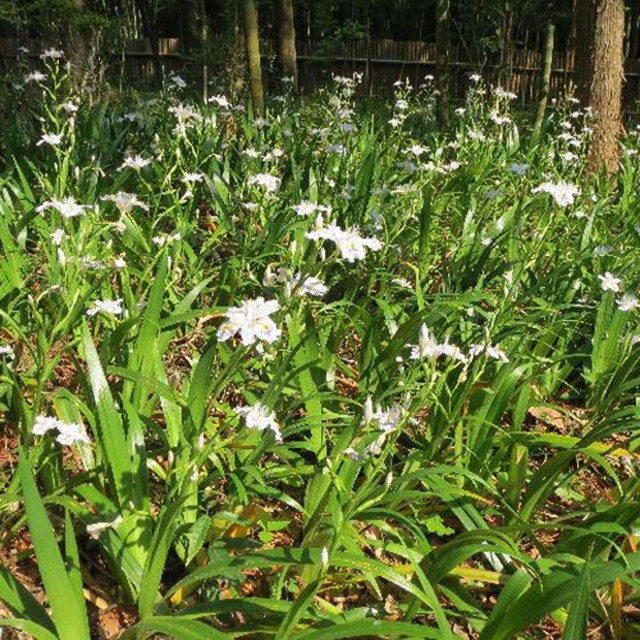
(546, 79)
(286, 39)
(252, 40)
(599, 75)
(149, 14)
(443, 53)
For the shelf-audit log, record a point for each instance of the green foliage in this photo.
(428, 426)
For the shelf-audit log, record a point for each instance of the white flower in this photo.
(71, 433)
(353, 246)
(270, 156)
(324, 558)
(260, 417)
(569, 156)
(7, 351)
(269, 278)
(266, 180)
(125, 201)
(177, 80)
(166, 239)
(627, 303)
(609, 282)
(221, 101)
(496, 118)
(603, 250)
(563, 193)
(57, 235)
(496, 353)
(67, 207)
(402, 282)
(451, 350)
(119, 263)
(350, 243)
(508, 276)
(70, 107)
(96, 528)
(52, 53)
(193, 177)
(54, 139)
(135, 162)
(428, 347)
(68, 432)
(311, 286)
(388, 419)
(109, 307)
(35, 76)
(184, 113)
(131, 117)
(519, 169)
(368, 414)
(306, 208)
(475, 77)
(417, 150)
(251, 319)
(501, 93)
(460, 111)
(43, 424)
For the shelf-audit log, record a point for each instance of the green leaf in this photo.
(69, 616)
(576, 628)
(156, 559)
(372, 629)
(111, 432)
(523, 605)
(180, 629)
(20, 601)
(34, 630)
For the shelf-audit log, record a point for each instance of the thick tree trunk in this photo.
(286, 40)
(250, 19)
(546, 80)
(443, 52)
(599, 75)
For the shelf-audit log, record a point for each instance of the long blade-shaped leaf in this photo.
(70, 618)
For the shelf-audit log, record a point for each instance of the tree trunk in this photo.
(192, 32)
(546, 80)
(286, 40)
(151, 27)
(443, 52)
(599, 76)
(250, 18)
(204, 35)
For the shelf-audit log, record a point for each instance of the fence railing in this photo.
(381, 61)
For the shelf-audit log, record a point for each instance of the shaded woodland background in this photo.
(140, 41)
